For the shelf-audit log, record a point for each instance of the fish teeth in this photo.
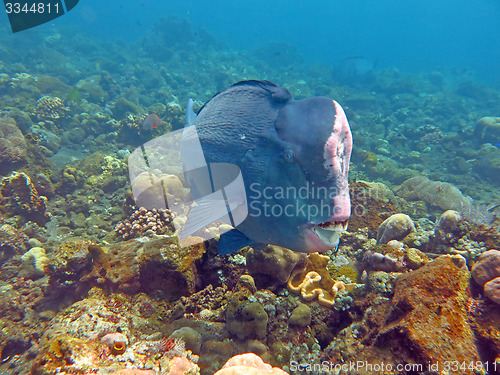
(335, 225)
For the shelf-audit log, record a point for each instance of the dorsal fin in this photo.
(279, 94)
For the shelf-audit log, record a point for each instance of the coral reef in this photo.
(157, 266)
(77, 296)
(425, 321)
(13, 149)
(20, 197)
(85, 339)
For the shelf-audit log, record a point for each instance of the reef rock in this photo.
(396, 227)
(13, 149)
(428, 320)
(492, 290)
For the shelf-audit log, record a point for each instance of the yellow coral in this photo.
(310, 288)
(315, 281)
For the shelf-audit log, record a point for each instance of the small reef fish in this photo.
(294, 160)
(151, 122)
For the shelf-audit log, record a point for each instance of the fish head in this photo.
(311, 180)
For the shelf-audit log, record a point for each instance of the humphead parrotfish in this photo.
(294, 160)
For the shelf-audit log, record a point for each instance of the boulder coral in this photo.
(37, 257)
(487, 129)
(248, 364)
(395, 227)
(486, 272)
(149, 190)
(448, 225)
(159, 266)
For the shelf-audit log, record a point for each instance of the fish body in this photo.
(151, 122)
(294, 160)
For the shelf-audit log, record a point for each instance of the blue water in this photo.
(411, 35)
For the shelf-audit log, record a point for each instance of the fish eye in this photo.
(289, 155)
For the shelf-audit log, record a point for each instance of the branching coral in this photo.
(51, 108)
(142, 220)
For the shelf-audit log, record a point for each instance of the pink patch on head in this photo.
(337, 153)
